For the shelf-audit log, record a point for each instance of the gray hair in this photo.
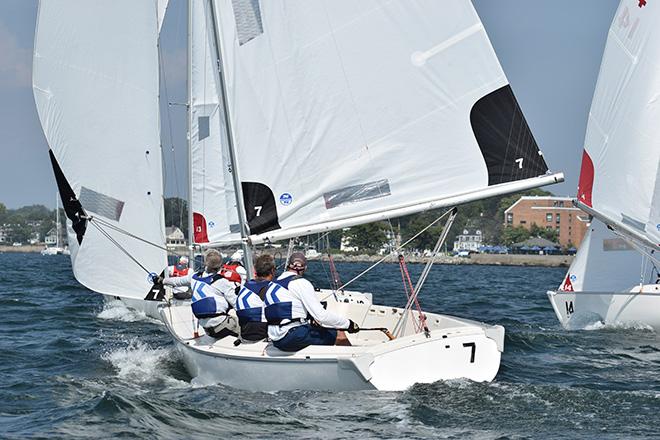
(212, 260)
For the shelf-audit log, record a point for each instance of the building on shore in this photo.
(469, 240)
(550, 212)
(174, 237)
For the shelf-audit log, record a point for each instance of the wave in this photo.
(137, 362)
(116, 310)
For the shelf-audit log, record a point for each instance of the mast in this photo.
(57, 220)
(238, 190)
(191, 225)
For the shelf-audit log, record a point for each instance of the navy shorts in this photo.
(305, 335)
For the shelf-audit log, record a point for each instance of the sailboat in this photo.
(619, 182)
(331, 115)
(57, 249)
(304, 117)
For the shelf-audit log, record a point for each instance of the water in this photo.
(72, 367)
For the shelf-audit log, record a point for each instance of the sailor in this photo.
(250, 302)
(212, 296)
(180, 269)
(296, 318)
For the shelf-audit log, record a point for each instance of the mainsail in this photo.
(620, 176)
(213, 200)
(349, 112)
(95, 82)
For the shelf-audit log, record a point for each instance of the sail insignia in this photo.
(247, 14)
(101, 204)
(72, 206)
(357, 193)
(506, 141)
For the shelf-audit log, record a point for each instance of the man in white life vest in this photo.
(292, 304)
(180, 269)
(250, 303)
(212, 296)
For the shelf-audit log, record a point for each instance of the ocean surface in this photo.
(73, 367)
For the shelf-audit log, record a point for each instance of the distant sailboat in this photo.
(326, 115)
(57, 249)
(620, 181)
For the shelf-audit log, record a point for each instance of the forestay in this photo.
(213, 200)
(606, 262)
(346, 112)
(95, 81)
(619, 179)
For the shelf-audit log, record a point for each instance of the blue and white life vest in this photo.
(249, 305)
(282, 307)
(205, 302)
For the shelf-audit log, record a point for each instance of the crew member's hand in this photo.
(352, 327)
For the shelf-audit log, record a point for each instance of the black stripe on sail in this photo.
(260, 208)
(72, 207)
(505, 140)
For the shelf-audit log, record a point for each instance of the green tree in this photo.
(549, 233)
(369, 237)
(511, 235)
(176, 213)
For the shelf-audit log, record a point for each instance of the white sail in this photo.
(162, 9)
(346, 112)
(95, 81)
(605, 262)
(213, 201)
(619, 179)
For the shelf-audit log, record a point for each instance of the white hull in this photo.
(456, 348)
(577, 309)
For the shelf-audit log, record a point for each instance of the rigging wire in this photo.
(395, 251)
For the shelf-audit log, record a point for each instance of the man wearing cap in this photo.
(296, 318)
(212, 296)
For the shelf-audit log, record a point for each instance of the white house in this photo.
(174, 236)
(469, 240)
(51, 237)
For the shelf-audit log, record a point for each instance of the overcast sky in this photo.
(549, 49)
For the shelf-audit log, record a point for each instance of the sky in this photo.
(550, 51)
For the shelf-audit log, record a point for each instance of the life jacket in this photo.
(229, 272)
(250, 302)
(176, 272)
(282, 308)
(204, 299)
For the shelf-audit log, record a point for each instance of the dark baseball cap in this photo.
(297, 261)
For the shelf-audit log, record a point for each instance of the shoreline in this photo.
(478, 259)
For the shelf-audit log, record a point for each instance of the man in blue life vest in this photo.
(250, 302)
(212, 296)
(296, 317)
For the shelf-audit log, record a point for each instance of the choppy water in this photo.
(72, 367)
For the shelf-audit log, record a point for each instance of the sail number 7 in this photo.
(258, 209)
(473, 350)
